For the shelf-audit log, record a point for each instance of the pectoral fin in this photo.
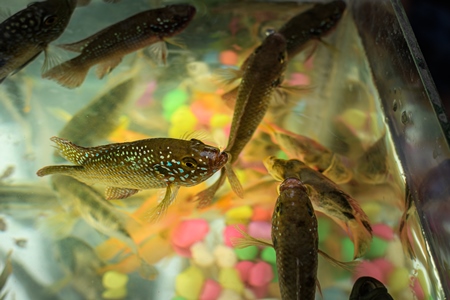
(106, 67)
(234, 181)
(158, 52)
(161, 208)
(119, 193)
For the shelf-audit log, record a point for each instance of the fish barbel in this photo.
(296, 241)
(26, 34)
(126, 168)
(262, 75)
(327, 198)
(107, 47)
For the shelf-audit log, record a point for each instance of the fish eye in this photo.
(281, 58)
(50, 20)
(257, 50)
(189, 162)
(278, 209)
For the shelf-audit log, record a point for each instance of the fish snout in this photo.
(221, 160)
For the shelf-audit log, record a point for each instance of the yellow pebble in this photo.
(372, 210)
(229, 295)
(220, 120)
(229, 279)
(119, 293)
(398, 280)
(201, 255)
(237, 215)
(114, 280)
(188, 283)
(225, 256)
(183, 121)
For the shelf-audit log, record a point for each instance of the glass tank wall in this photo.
(358, 106)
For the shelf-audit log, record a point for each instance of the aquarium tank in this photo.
(208, 149)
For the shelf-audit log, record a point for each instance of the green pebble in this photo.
(347, 249)
(324, 226)
(172, 100)
(268, 255)
(377, 248)
(247, 253)
(178, 298)
(275, 273)
(281, 154)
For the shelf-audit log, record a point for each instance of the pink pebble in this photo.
(299, 79)
(228, 57)
(385, 266)
(244, 268)
(260, 230)
(260, 275)
(202, 114)
(417, 289)
(230, 233)
(368, 268)
(181, 251)
(383, 231)
(189, 232)
(211, 290)
(260, 291)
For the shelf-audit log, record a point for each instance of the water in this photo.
(343, 108)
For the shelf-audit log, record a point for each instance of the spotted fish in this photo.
(26, 34)
(262, 75)
(107, 47)
(327, 198)
(126, 168)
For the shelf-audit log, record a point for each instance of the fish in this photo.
(7, 270)
(97, 120)
(313, 24)
(369, 288)
(127, 168)
(28, 33)
(107, 47)
(311, 152)
(295, 240)
(27, 200)
(262, 74)
(3, 226)
(299, 31)
(327, 198)
(81, 264)
(87, 2)
(22, 243)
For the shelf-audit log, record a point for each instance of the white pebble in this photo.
(225, 256)
(229, 295)
(201, 255)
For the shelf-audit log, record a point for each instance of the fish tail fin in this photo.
(205, 197)
(69, 74)
(73, 153)
(229, 98)
(63, 170)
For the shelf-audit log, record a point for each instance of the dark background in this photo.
(430, 20)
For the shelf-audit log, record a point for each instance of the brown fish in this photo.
(26, 34)
(296, 241)
(310, 25)
(107, 47)
(327, 198)
(312, 153)
(263, 73)
(126, 168)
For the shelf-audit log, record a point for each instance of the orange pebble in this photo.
(228, 57)
(261, 213)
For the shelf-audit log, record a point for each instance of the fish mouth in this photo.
(221, 160)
